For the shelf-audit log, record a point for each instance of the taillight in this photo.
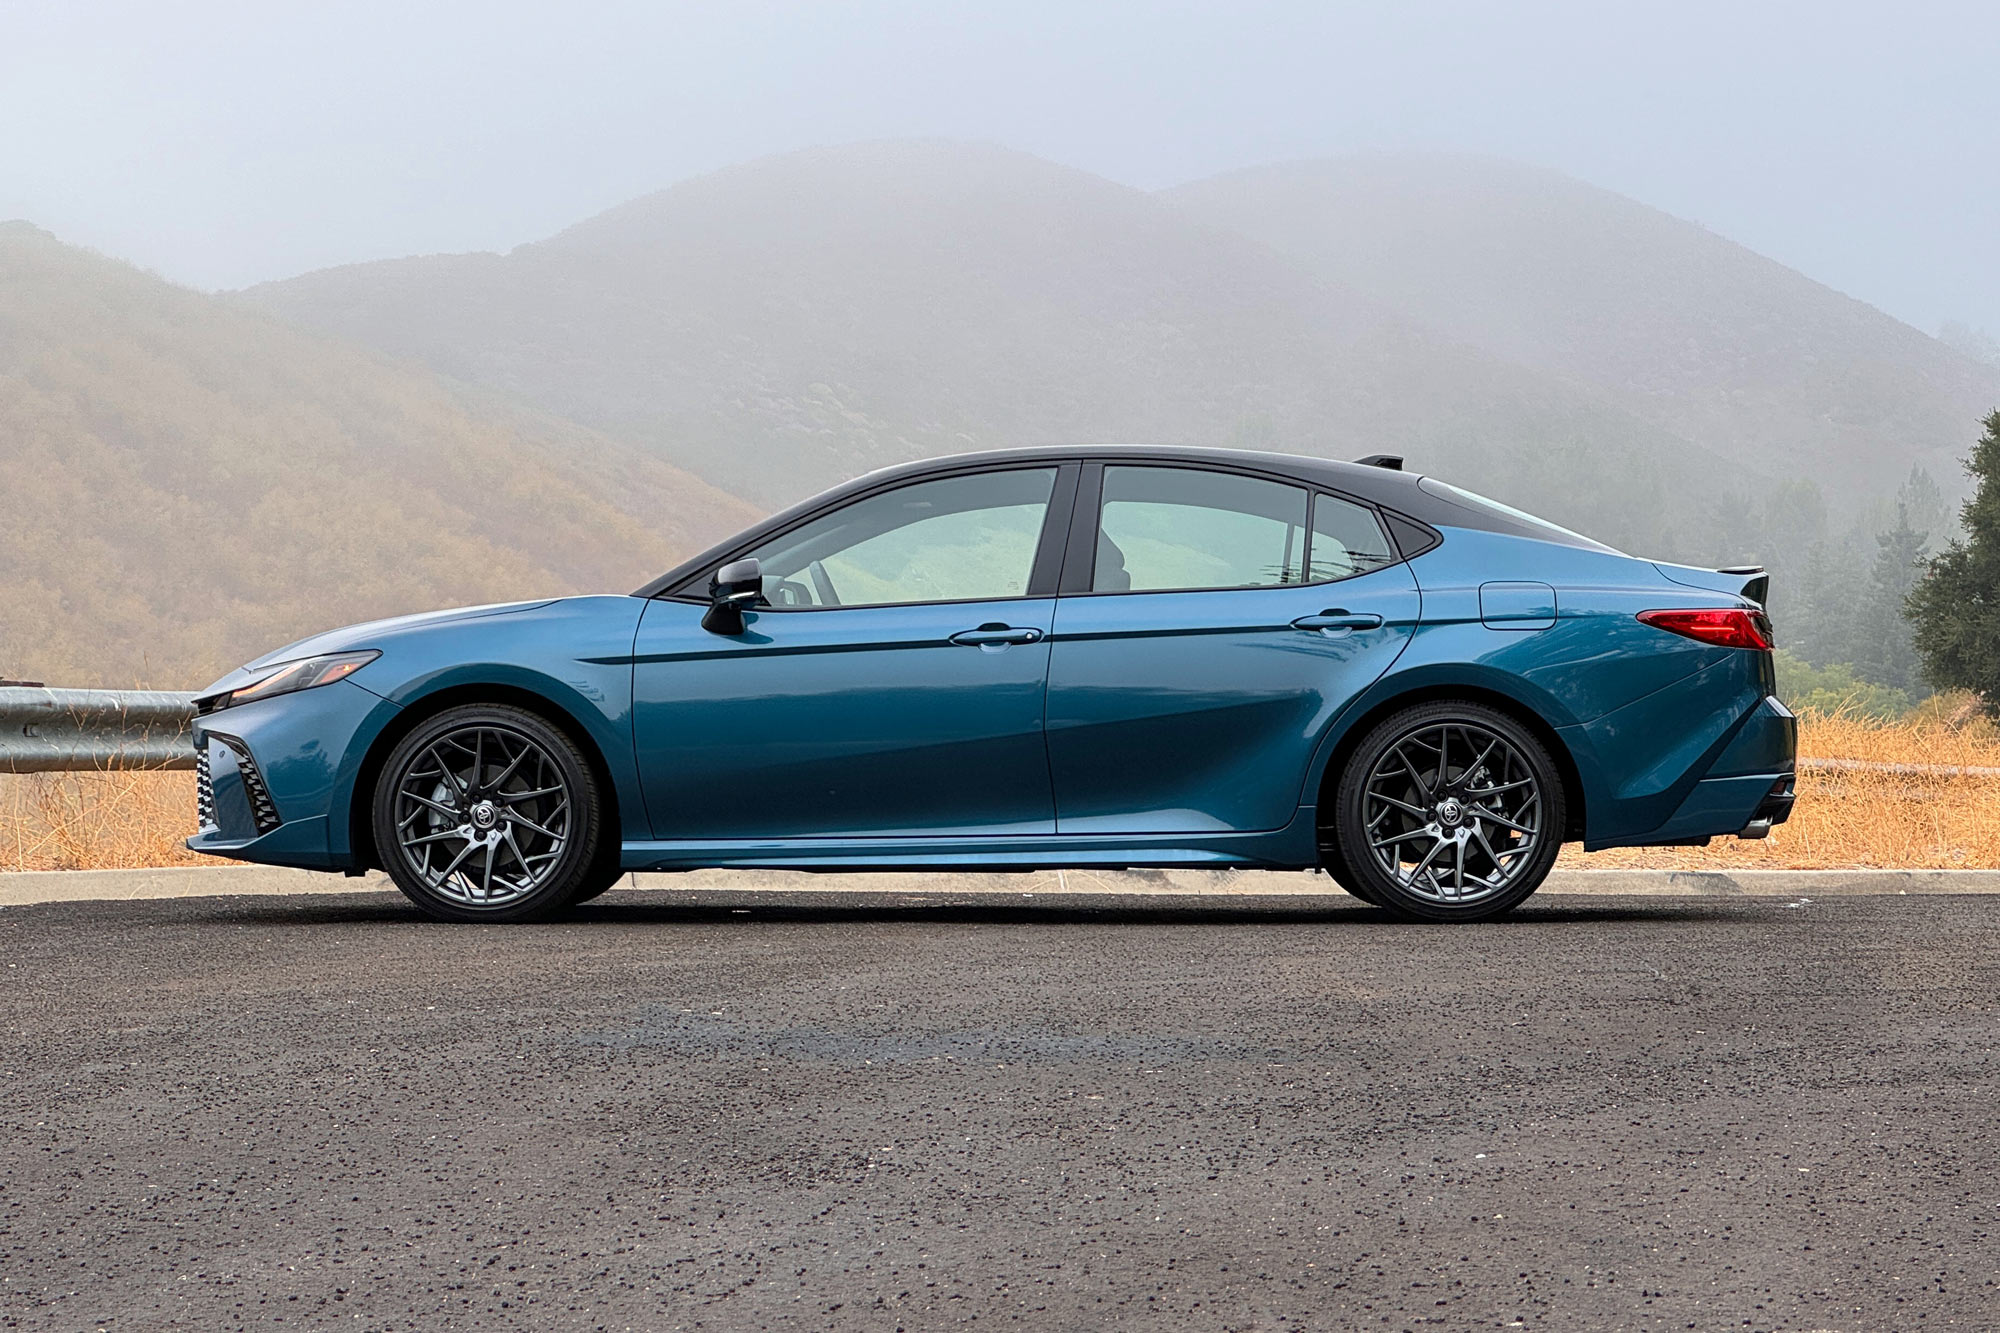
(1734, 627)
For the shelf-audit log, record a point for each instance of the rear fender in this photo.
(1429, 671)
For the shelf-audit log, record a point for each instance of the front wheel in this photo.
(602, 880)
(1449, 812)
(487, 813)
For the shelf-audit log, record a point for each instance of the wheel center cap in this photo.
(1449, 811)
(484, 815)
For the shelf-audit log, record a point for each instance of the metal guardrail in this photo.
(57, 731)
(1880, 766)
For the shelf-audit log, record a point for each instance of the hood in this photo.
(361, 636)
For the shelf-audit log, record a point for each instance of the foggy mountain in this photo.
(1681, 327)
(192, 483)
(791, 322)
(208, 481)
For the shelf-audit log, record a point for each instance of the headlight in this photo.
(300, 675)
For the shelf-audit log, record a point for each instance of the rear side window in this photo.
(1347, 539)
(1165, 528)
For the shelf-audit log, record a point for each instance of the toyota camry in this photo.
(1110, 657)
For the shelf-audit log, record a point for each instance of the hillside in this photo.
(783, 325)
(1696, 335)
(191, 483)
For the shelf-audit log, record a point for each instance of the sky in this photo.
(223, 144)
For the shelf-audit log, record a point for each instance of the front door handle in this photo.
(996, 636)
(1334, 621)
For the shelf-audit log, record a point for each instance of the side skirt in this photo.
(1290, 848)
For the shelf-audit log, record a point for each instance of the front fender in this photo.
(596, 697)
(571, 657)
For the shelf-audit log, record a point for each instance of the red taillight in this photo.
(1730, 628)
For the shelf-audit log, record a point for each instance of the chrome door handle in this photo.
(1336, 621)
(995, 636)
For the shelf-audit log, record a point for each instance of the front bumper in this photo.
(274, 779)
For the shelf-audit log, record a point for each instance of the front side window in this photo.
(956, 539)
(1186, 528)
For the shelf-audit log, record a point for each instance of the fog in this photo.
(226, 144)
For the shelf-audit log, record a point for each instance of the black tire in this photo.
(602, 880)
(1334, 862)
(1449, 811)
(487, 812)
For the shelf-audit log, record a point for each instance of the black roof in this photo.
(1388, 488)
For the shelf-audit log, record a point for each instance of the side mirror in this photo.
(738, 584)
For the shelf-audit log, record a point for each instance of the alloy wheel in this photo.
(1453, 813)
(483, 815)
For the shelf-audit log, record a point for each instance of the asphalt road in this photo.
(1604, 1113)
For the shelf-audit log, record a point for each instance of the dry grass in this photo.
(77, 821)
(93, 821)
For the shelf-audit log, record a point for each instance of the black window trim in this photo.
(1050, 546)
(1081, 568)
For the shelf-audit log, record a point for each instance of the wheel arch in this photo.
(361, 801)
(1354, 729)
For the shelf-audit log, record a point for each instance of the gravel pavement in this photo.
(1603, 1113)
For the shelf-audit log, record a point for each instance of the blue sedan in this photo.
(1104, 657)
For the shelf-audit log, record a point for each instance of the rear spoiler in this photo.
(1748, 581)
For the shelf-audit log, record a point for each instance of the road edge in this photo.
(21, 888)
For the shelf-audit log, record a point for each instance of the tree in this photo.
(1815, 604)
(1884, 652)
(1956, 605)
(1925, 503)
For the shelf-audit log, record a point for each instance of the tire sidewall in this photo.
(1350, 826)
(579, 857)
(1333, 860)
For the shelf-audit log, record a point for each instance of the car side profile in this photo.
(1102, 657)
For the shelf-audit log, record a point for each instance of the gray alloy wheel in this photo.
(1450, 812)
(487, 813)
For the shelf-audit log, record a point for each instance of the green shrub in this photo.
(1835, 688)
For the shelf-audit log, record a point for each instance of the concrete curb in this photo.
(20, 888)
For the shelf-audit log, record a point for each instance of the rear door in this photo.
(1212, 624)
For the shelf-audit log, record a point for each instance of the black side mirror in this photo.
(738, 584)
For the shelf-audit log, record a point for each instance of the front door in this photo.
(1223, 623)
(892, 684)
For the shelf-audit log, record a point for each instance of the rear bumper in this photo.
(1745, 806)
(1749, 787)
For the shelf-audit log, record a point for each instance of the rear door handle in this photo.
(1334, 621)
(996, 636)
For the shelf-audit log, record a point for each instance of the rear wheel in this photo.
(1449, 812)
(487, 813)
(1334, 862)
